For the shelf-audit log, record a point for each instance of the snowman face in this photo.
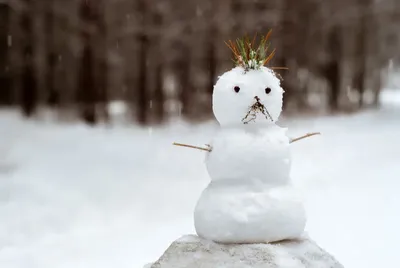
(248, 97)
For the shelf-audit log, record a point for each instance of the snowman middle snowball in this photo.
(250, 198)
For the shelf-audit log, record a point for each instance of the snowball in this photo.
(231, 107)
(250, 153)
(237, 214)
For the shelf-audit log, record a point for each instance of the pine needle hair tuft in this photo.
(250, 56)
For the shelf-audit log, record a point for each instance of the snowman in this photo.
(250, 198)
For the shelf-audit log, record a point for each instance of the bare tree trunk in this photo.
(53, 96)
(5, 79)
(141, 88)
(211, 59)
(29, 94)
(102, 58)
(332, 69)
(377, 86)
(183, 71)
(359, 84)
(87, 94)
(375, 49)
(359, 79)
(287, 48)
(332, 75)
(159, 97)
(87, 87)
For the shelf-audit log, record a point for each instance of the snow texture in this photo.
(250, 198)
(250, 152)
(194, 252)
(248, 213)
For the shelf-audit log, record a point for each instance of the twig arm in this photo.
(208, 149)
(304, 136)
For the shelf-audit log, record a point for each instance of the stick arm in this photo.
(208, 147)
(304, 136)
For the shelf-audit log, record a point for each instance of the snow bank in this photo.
(81, 197)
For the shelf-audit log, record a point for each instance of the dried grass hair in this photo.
(251, 57)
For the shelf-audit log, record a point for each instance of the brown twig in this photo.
(305, 136)
(279, 68)
(269, 57)
(209, 147)
(191, 146)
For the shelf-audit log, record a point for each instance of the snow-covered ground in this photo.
(72, 196)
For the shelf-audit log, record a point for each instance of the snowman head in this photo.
(249, 93)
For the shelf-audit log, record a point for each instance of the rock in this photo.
(191, 251)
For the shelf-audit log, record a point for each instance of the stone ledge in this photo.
(191, 251)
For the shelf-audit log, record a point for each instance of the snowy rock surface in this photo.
(193, 252)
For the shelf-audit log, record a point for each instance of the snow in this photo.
(249, 198)
(249, 152)
(74, 196)
(194, 252)
(230, 107)
(247, 211)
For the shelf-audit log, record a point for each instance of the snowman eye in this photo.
(237, 89)
(267, 90)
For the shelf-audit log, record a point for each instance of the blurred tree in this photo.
(185, 46)
(182, 69)
(361, 50)
(160, 55)
(211, 58)
(86, 90)
(52, 94)
(141, 89)
(288, 47)
(212, 35)
(29, 90)
(67, 48)
(6, 97)
(102, 59)
(332, 67)
(157, 63)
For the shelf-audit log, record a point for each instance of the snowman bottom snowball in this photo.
(237, 215)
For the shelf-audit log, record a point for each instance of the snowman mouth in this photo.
(256, 109)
